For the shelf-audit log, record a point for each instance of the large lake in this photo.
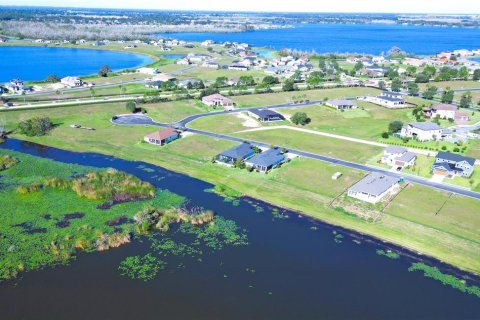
(36, 63)
(293, 268)
(342, 38)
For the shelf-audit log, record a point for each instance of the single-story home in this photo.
(453, 165)
(237, 153)
(217, 100)
(374, 187)
(342, 104)
(162, 137)
(238, 67)
(387, 99)
(188, 83)
(424, 131)
(163, 77)
(72, 81)
(153, 84)
(265, 115)
(150, 71)
(398, 157)
(266, 160)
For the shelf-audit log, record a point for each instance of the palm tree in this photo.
(92, 92)
(24, 96)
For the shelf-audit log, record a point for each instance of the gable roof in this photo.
(455, 157)
(162, 134)
(239, 152)
(341, 102)
(374, 184)
(265, 113)
(425, 126)
(395, 149)
(445, 107)
(267, 158)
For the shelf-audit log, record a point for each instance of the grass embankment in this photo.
(52, 209)
(303, 184)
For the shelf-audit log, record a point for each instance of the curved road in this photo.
(145, 120)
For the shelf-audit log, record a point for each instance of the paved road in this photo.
(144, 120)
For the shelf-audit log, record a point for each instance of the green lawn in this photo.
(332, 147)
(452, 84)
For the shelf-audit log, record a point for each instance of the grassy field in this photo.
(474, 149)
(291, 186)
(452, 84)
(318, 94)
(332, 147)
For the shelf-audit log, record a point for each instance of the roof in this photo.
(267, 158)
(341, 102)
(406, 157)
(392, 99)
(265, 113)
(446, 107)
(162, 134)
(425, 126)
(455, 157)
(239, 152)
(395, 150)
(374, 184)
(216, 96)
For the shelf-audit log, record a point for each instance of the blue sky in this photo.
(397, 6)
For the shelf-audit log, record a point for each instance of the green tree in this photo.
(269, 80)
(92, 92)
(396, 85)
(300, 118)
(288, 86)
(430, 92)
(51, 78)
(381, 84)
(220, 82)
(466, 100)
(463, 73)
(104, 70)
(395, 126)
(422, 78)
(246, 81)
(37, 126)
(476, 74)
(447, 95)
(131, 106)
(413, 88)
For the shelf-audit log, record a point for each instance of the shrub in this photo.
(7, 162)
(37, 126)
(385, 135)
(300, 118)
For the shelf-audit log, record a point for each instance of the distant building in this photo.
(72, 81)
(390, 100)
(424, 131)
(150, 71)
(265, 115)
(238, 67)
(453, 165)
(341, 104)
(163, 77)
(162, 137)
(374, 187)
(217, 100)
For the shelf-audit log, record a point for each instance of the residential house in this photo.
(217, 100)
(374, 187)
(265, 115)
(266, 160)
(233, 81)
(153, 84)
(211, 65)
(424, 131)
(150, 71)
(237, 153)
(17, 86)
(183, 61)
(238, 67)
(447, 111)
(164, 77)
(98, 43)
(342, 104)
(453, 165)
(72, 81)
(3, 39)
(369, 73)
(188, 84)
(398, 157)
(207, 43)
(390, 100)
(162, 137)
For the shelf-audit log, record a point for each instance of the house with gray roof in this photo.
(425, 131)
(266, 160)
(342, 104)
(374, 187)
(238, 153)
(391, 100)
(398, 157)
(453, 165)
(265, 115)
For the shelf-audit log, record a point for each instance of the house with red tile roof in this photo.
(159, 138)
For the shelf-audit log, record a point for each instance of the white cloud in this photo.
(409, 6)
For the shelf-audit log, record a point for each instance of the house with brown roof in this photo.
(159, 138)
(217, 100)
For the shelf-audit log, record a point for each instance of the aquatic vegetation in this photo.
(226, 192)
(218, 233)
(445, 279)
(48, 226)
(388, 253)
(167, 246)
(112, 184)
(7, 161)
(141, 267)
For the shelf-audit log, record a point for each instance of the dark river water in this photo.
(300, 271)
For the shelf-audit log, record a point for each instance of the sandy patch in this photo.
(247, 121)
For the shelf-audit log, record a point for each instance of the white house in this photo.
(341, 104)
(398, 157)
(72, 81)
(423, 131)
(217, 100)
(391, 100)
(150, 71)
(374, 187)
(444, 111)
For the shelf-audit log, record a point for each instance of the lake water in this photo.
(36, 63)
(300, 271)
(342, 38)
(173, 56)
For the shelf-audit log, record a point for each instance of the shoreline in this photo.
(405, 250)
